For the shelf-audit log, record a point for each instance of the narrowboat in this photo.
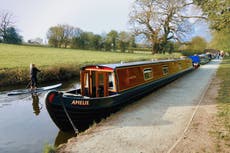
(204, 59)
(106, 88)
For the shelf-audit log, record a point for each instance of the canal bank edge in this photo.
(14, 77)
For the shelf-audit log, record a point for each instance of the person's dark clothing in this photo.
(33, 76)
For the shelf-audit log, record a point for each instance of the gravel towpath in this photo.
(152, 124)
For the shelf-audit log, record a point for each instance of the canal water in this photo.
(25, 125)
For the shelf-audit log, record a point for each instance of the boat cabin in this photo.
(110, 79)
(97, 81)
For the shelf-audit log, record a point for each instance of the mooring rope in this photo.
(67, 114)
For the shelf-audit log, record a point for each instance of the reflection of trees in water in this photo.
(35, 104)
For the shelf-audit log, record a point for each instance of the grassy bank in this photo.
(223, 123)
(49, 149)
(56, 64)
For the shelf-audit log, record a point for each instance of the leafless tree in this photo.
(6, 21)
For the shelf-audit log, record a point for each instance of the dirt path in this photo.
(153, 124)
(198, 137)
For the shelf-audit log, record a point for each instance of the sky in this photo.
(33, 18)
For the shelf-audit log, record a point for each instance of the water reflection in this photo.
(63, 137)
(32, 109)
(35, 104)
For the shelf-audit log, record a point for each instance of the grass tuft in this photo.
(49, 149)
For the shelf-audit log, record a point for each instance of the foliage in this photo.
(97, 42)
(68, 36)
(190, 52)
(61, 35)
(86, 40)
(49, 149)
(218, 12)
(197, 44)
(12, 37)
(123, 40)
(220, 40)
(112, 38)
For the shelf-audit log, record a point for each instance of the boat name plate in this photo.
(80, 102)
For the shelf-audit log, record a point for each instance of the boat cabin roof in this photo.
(112, 67)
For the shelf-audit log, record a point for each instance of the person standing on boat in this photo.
(33, 76)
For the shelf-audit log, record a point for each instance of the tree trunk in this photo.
(154, 50)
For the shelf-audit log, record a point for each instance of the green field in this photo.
(56, 64)
(16, 56)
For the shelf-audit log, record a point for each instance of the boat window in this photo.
(111, 81)
(165, 70)
(148, 73)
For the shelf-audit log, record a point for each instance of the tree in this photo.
(112, 37)
(62, 35)
(124, 40)
(55, 36)
(197, 44)
(107, 44)
(132, 43)
(218, 12)
(8, 32)
(6, 22)
(97, 42)
(220, 40)
(161, 21)
(12, 37)
(69, 33)
(84, 41)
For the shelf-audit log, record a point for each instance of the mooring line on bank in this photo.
(193, 115)
(67, 114)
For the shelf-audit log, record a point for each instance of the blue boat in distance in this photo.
(195, 60)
